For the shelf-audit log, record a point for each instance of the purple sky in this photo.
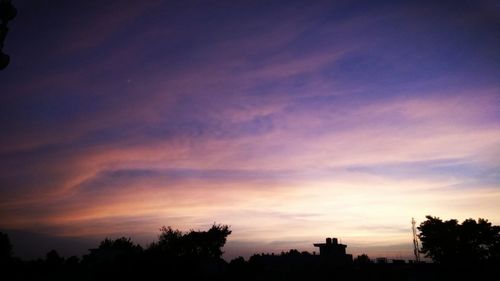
(290, 121)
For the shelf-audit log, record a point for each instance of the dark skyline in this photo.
(290, 121)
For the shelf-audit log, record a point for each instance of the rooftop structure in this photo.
(333, 251)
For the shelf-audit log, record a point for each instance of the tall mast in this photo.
(416, 251)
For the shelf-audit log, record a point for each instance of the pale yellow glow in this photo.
(303, 184)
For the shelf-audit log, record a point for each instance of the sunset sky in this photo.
(290, 121)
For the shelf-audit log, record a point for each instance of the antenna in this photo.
(416, 251)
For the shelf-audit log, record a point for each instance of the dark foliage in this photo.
(113, 250)
(449, 242)
(7, 13)
(5, 247)
(196, 255)
(53, 258)
(192, 254)
(362, 260)
(112, 259)
(194, 244)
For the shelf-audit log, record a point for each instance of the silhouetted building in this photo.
(334, 252)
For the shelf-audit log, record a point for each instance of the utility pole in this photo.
(416, 251)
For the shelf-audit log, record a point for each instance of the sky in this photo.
(290, 121)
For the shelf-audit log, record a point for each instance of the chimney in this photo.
(335, 241)
(328, 240)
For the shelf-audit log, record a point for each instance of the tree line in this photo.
(449, 242)
(459, 251)
(191, 254)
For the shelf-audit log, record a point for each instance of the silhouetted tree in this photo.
(196, 255)
(5, 247)
(238, 266)
(7, 13)
(238, 261)
(450, 242)
(53, 257)
(362, 259)
(169, 242)
(117, 250)
(113, 259)
(72, 262)
(195, 244)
